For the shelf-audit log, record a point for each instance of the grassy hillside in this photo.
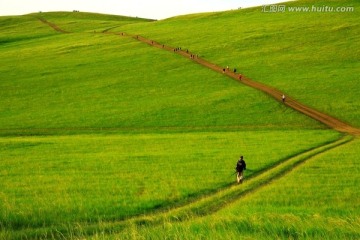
(294, 207)
(86, 80)
(21, 29)
(314, 58)
(97, 128)
(83, 21)
(93, 178)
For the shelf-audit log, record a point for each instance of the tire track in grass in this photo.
(212, 203)
(200, 207)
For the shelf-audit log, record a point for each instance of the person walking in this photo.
(240, 167)
(283, 98)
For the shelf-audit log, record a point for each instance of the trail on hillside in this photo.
(52, 25)
(326, 119)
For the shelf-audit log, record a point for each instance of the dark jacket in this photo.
(240, 165)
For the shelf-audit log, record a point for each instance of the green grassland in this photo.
(87, 22)
(99, 128)
(315, 57)
(83, 80)
(48, 181)
(293, 207)
(27, 29)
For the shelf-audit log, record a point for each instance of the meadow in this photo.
(88, 22)
(48, 181)
(22, 29)
(314, 58)
(95, 81)
(293, 207)
(100, 132)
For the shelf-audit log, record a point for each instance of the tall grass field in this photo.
(105, 137)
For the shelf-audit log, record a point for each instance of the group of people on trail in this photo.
(240, 167)
(227, 69)
(192, 56)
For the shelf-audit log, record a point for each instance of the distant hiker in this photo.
(283, 98)
(223, 70)
(234, 70)
(227, 68)
(240, 167)
(240, 77)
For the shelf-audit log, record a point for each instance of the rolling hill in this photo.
(315, 58)
(105, 137)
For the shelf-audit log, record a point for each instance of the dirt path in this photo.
(52, 25)
(275, 93)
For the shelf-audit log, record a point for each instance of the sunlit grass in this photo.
(88, 178)
(311, 56)
(106, 81)
(123, 129)
(87, 22)
(318, 200)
